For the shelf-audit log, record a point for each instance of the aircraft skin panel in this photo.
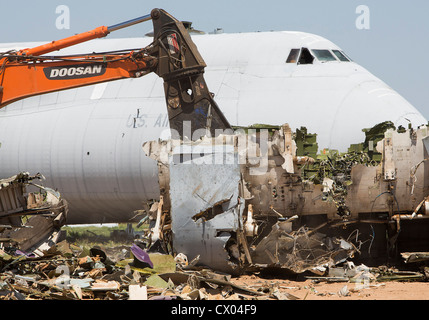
(91, 152)
(88, 141)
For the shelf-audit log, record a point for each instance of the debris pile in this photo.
(68, 272)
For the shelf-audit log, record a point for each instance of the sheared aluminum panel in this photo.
(198, 184)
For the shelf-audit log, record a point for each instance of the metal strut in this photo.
(129, 23)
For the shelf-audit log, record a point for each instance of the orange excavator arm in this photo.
(33, 76)
(172, 56)
(29, 72)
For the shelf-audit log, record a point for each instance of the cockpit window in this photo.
(293, 56)
(340, 55)
(306, 57)
(300, 56)
(323, 55)
(350, 59)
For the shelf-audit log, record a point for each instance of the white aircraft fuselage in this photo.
(87, 142)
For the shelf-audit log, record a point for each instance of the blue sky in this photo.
(394, 48)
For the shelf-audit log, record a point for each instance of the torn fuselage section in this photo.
(241, 201)
(31, 215)
(202, 199)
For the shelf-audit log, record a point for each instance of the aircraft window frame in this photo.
(305, 57)
(294, 55)
(327, 58)
(340, 55)
(350, 59)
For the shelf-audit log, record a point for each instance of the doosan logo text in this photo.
(74, 71)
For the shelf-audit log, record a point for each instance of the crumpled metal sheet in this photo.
(30, 220)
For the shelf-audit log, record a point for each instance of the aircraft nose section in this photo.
(368, 103)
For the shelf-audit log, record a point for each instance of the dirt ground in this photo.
(310, 290)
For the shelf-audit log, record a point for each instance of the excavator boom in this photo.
(21, 79)
(172, 56)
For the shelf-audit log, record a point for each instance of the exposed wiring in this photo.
(372, 239)
(372, 207)
(373, 203)
(413, 174)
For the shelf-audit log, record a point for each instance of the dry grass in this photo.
(106, 236)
